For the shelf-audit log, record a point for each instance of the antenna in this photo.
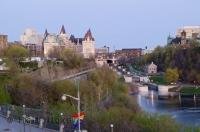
(114, 48)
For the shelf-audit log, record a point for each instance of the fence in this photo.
(35, 117)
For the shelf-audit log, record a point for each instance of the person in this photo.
(9, 119)
(41, 123)
(62, 126)
(8, 113)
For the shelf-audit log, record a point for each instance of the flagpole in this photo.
(78, 106)
(79, 123)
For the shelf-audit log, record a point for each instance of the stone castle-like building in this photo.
(185, 35)
(50, 41)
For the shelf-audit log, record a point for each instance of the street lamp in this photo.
(24, 116)
(64, 97)
(61, 124)
(111, 126)
(61, 115)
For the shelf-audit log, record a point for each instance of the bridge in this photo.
(100, 61)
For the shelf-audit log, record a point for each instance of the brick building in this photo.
(128, 53)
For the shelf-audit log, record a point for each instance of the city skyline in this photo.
(119, 24)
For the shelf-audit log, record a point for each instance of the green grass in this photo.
(160, 80)
(190, 90)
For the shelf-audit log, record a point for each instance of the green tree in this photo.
(16, 53)
(5, 97)
(71, 59)
(171, 75)
(59, 88)
(26, 90)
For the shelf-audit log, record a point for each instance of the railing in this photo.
(33, 117)
(72, 75)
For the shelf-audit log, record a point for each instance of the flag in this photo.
(76, 117)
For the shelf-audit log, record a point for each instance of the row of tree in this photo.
(185, 60)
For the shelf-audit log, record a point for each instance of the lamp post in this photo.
(61, 124)
(64, 97)
(111, 126)
(24, 116)
(61, 116)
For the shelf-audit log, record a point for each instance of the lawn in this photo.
(190, 90)
(160, 80)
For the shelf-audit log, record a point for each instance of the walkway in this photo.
(74, 75)
(17, 127)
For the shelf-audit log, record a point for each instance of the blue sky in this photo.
(117, 23)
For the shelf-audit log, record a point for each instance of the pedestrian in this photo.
(62, 126)
(41, 123)
(8, 114)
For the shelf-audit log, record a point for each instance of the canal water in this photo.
(185, 110)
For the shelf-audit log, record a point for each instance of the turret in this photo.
(62, 31)
(88, 45)
(46, 33)
(183, 34)
(88, 36)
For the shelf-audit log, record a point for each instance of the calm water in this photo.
(186, 111)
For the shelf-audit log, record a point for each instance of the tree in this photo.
(16, 53)
(26, 90)
(185, 59)
(4, 96)
(171, 75)
(58, 88)
(71, 59)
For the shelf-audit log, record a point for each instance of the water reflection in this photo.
(185, 111)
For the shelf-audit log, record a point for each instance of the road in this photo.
(17, 127)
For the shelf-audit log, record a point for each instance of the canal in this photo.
(185, 111)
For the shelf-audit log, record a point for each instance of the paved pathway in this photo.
(17, 127)
(74, 75)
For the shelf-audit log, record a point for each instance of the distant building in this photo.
(191, 32)
(182, 40)
(85, 46)
(151, 69)
(88, 45)
(3, 41)
(184, 36)
(146, 51)
(102, 50)
(31, 40)
(35, 50)
(128, 53)
(30, 36)
(100, 62)
(43, 46)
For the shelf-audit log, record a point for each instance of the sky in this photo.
(115, 23)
